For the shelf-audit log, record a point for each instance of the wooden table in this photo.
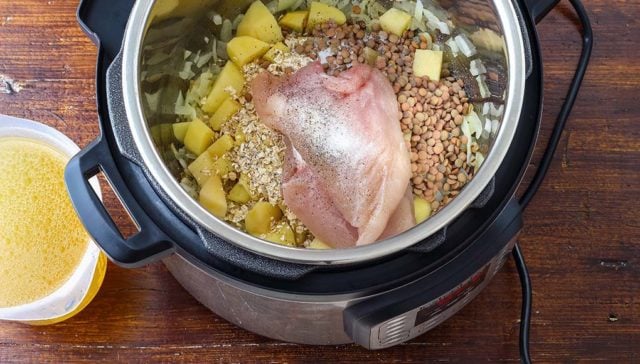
(581, 237)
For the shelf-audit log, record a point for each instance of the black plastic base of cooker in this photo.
(373, 276)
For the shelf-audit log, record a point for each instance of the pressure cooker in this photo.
(376, 295)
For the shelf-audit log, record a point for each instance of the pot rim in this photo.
(515, 57)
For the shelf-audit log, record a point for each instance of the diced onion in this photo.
(453, 46)
(482, 85)
(477, 67)
(217, 19)
(152, 100)
(464, 44)
(226, 30)
(486, 108)
(419, 11)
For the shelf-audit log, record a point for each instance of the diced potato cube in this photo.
(228, 108)
(180, 130)
(230, 76)
(281, 235)
(428, 63)
(244, 180)
(221, 146)
(275, 50)
(244, 49)
(421, 208)
(395, 21)
(202, 168)
(317, 244)
(212, 197)
(198, 137)
(222, 166)
(321, 13)
(239, 194)
(258, 22)
(259, 219)
(295, 20)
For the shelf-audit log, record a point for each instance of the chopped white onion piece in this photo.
(444, 28)
(297, 4)
(466, 47)
(487, 127)
(187, 53)
(226, 30)
(431, 18)
(482, 85)
(204, 59)
(475, 124)
(217, 19)
(323, 54)
(486, 108)
(477, 67)
(454, 47)
(405, 6)
(152, 100)
(214, 50)
(497, 112)
(418, 12)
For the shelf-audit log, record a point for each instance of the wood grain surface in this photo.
(581, 236)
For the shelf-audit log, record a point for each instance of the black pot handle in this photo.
(539, 8)
(147, 244)
(104, 22)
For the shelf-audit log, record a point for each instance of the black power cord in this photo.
(547, 157)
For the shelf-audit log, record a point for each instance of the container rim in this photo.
(68, 297)
(135, 32)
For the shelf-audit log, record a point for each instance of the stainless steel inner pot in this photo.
(168, 23)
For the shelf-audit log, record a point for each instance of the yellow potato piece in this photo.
(244, 180)
(212, 197)
(230, 76)
(221, 146)
(321, 13)
(295, 20)
(198, 137)
(395, 21)
(180, 130)
(317, 244)
(259, 219)
(281, 235)
(239, 193)
(228, 108)
(421, 208)
(278, 48)
(428, 63)
(222, 166)
(258, 22)
(244, 49)
(202, 168)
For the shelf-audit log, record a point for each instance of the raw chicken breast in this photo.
(347, 166)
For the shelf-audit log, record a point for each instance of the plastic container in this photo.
(82, 286)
